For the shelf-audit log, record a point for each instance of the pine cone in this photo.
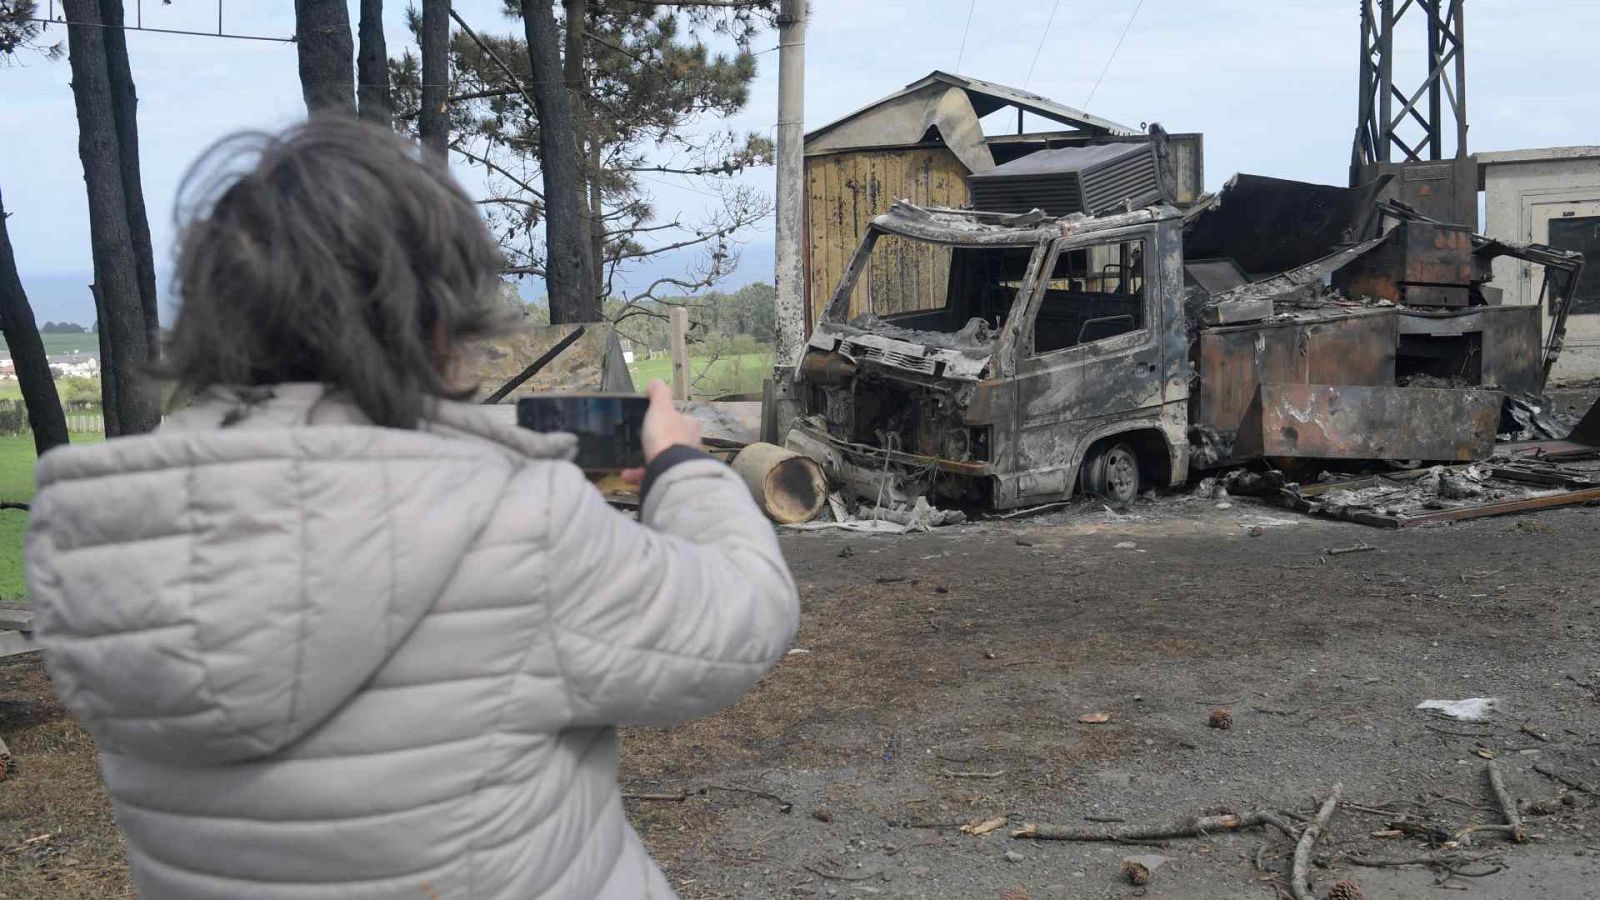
(1346, 890)
(1221, 718)
(1136, 873)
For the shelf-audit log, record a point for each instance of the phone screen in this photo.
(609, 427)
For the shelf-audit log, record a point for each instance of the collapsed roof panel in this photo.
(952, 106)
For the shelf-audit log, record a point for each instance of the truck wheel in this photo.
(1111, 472)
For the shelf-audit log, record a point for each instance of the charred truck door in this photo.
(1100, 368)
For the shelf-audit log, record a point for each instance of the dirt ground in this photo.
(940, 679)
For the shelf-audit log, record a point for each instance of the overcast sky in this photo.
(1271, 84)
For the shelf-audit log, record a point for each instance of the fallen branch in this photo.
(1341, 551)
(1308, 839)
(679, 797)
(995, 774)
(783, 805)
(1552, 774)
(1193, 826)
(936, 841)
(1442, 859)
(1508, 805)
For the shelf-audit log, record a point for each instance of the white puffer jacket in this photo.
(323, 659)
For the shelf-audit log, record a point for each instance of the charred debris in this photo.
(1050, 346)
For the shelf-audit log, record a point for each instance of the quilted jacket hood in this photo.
(212, 592)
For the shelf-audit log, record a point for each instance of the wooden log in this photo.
(1508, 805)
(788, 487)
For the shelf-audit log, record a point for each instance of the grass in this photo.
(16, 483)
(86, 344)
(737, 374)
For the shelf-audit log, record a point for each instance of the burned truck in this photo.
(1006, 359)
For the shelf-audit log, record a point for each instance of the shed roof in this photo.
(1542, 154)
(928, 96)
(987, 97)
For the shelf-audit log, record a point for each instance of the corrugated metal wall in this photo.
(844, 192)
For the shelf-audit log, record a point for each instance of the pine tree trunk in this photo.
(327, 55)
(569, 278)
(576, 79)
(131, 401)
(433, 124)
(45, 416)
(372, 66)
(125, 106)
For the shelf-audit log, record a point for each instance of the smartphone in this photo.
(609, 427)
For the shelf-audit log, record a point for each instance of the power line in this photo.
(211, 34)
(963, 54)
(1107, 67)
(1042, 35)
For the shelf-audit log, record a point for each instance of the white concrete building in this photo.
(75, 366)
(1549, 196)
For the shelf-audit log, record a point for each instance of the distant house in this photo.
(627, 351)
(73, 366)
(8, 369)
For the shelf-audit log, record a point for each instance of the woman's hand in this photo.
(664, 427)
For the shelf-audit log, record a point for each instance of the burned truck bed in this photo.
(1006, 360)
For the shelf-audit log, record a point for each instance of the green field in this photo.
(16, 483)
(85, 344)
(739, 374)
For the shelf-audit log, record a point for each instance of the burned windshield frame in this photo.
(1030, 254)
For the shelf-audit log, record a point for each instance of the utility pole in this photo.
(790, 315)
(1401, 128)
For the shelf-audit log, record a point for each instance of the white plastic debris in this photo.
(1124, 545)
(798, 651)
(1472, 709)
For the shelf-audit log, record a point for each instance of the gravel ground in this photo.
(943, 678)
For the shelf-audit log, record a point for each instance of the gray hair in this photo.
(338, 257)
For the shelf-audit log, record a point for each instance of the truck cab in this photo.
(1002, 360)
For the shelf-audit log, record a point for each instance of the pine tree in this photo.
(643, 83)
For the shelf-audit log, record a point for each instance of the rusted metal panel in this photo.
(1273, 225)
(1356, 350)
(1422, 264)
(1508, 339)
(1445, 190)
(845, 191)
(1321, 421)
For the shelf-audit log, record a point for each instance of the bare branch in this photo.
(496, 167)
(467, 30)
(469, 95)
(517, 201)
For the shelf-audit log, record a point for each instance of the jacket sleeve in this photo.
(671, 617)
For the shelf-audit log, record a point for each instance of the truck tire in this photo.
(1111, 472)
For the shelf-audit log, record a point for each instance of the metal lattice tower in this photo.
(1394, 126)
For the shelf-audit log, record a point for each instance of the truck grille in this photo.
(899, 360)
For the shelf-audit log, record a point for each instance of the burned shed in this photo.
(922, 144)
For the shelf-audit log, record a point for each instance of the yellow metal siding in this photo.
(845, 191)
